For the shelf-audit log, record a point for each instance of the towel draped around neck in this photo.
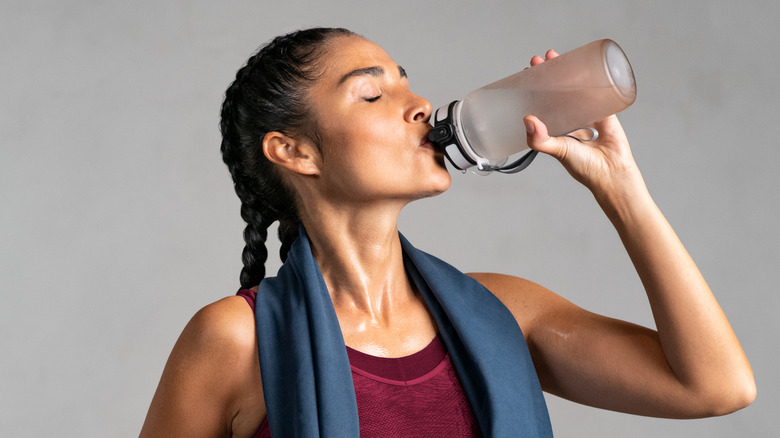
(307, 381)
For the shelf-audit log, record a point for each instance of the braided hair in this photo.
(269, 94)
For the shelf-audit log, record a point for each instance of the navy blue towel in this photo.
(307, 382)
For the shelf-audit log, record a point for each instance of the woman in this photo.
(320, 129)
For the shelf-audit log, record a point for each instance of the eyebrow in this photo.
(369, 71)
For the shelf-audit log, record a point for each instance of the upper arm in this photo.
(590, 358)
(526, 300)
(211, 378)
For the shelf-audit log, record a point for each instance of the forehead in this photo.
(346, 54)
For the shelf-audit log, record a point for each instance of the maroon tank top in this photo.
(412, 396)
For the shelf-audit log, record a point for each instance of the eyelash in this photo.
(372, 99)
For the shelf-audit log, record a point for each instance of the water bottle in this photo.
(567, 93)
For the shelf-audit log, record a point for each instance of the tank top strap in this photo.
(249, 295)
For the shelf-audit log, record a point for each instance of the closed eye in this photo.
(372, 99)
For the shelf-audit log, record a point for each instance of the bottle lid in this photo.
(447, 135)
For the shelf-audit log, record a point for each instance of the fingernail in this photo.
(529, 127)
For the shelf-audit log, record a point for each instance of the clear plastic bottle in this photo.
(566, 93)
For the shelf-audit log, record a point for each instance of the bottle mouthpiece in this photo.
(440, 135)
(447, 136)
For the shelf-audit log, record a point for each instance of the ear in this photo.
(297, 155)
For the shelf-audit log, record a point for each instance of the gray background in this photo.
(118, 220)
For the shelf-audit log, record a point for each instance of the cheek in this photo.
(363, 141)
(370, 129)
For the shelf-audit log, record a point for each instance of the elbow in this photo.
(731, 397)
(743, 396)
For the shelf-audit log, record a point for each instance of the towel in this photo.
(307, 381)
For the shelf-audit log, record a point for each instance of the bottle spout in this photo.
(447, 138)
(441, 135)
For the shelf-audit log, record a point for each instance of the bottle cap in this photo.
(447, 135)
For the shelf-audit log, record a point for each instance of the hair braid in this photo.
(288, 232)
(268, 94)
(255, 253)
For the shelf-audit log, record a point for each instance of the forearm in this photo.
(697, 340)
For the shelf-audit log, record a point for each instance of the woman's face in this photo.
(373, 130)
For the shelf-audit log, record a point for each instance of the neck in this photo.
(359, 253)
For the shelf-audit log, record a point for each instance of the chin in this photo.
(440, 184)
(447, 181)
(444, 177)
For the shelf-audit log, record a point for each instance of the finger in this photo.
(539, 139)
(536, 60)
(550, 54)
(610, 126)
(607, 123)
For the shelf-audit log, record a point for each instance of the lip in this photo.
(426, 144)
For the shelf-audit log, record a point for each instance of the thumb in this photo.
(539, 139)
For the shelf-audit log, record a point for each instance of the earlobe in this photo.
(293, 154)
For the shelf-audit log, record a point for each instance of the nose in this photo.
(419, 109)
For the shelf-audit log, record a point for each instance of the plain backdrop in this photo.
(118, 220)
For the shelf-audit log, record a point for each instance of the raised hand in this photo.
(601, 165)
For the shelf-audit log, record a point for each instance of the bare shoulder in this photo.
(529, 302)
(227, 324)
(211, 383)
(220, 335)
